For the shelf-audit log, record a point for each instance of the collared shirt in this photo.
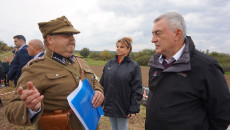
(175, 57)
(37, 55)
(21, 47)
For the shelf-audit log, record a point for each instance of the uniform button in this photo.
(57, 75)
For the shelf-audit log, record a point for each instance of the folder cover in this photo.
(80, 100)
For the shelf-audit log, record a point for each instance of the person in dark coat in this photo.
(188, 90)
(20, 60)
(1, 74)
(6, 69)
(122, 83)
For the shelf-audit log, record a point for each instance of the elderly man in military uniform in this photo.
(45, 84)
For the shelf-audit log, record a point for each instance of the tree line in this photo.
(142, 57)
(4, 47)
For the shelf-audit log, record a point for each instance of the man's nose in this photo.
(71, 37)
(154, 39)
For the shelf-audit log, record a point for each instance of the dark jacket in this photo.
(1, 71)
(122, 85)
(19, 61)
(6, 66)
(192, 94)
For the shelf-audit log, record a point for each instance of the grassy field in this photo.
(95, 62)
(227, 73)
(9, 53)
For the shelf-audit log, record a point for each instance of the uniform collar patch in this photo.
(72, 59)
(62, 59)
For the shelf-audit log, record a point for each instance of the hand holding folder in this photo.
(80, 100)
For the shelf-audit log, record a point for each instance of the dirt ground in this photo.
(135, 124)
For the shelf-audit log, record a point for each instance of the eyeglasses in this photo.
(65, 35)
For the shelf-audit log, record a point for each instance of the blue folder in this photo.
(81, 103)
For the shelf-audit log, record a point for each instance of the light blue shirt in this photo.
(37, 55)
(21, 47)
(31, 113)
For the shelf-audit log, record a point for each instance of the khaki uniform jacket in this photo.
(55, 83)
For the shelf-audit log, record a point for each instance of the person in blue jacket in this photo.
(188, 90)
(20, 60)
(122, 83)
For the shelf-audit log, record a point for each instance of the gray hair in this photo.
(174, 21)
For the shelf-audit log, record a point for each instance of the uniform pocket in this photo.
(57, 75)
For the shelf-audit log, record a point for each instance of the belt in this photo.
(55, 112)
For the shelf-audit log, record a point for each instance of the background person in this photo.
(15, 50)
(45, 84)
(20, 59)
(188, 89)
(122, 83)
(1, 75)
(6, 69)
(35, 48)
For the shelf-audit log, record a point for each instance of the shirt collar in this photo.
(21, 47)
(175, 57)
(37, 55)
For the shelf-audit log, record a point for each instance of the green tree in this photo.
(94, 55)
(4, 46)
(84, 52)
(143, 56)
(144, 60)
(105, 55)
(145, 52)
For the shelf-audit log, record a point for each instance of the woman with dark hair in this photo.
(122, 83)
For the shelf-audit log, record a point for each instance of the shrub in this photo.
(94, 55)
(225, 67)
(105, 55)
(143, 61)
(84, 52)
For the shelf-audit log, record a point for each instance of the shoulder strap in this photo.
(82, 71)
(66, 67)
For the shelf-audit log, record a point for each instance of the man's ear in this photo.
(49, 39)
(178, 35)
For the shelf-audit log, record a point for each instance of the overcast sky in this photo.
(103, 22)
